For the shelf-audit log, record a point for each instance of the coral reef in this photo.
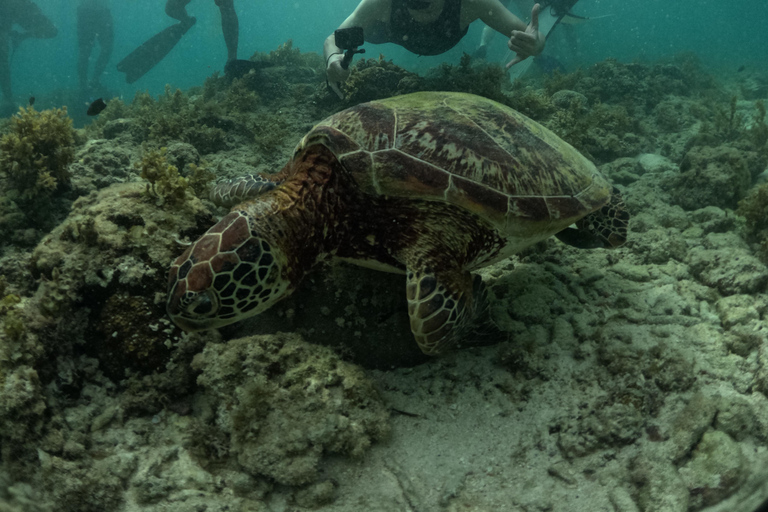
(754, 208)
(638, 376)
(283, 404)
(114, 245)
(373, 79)
(481, 79)
(712, 176)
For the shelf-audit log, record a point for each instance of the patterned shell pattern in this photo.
(470, 152)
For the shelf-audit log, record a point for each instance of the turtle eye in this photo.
(202, 305)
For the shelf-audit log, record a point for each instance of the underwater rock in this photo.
(658, 486)
(571, 100)
(116, 127)
(100, 163)
(283, 404)
(737, 310)
(374, 79)
(112, 252)
(179, 154)
(715, 471)
(754, 86)
(725, 262)
(623, 170)
(718, 176)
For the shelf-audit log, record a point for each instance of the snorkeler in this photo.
(431, 27)
(34, 23)
(146, 56)
(94, 23)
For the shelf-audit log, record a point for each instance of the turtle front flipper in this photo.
(228, 193)
(445, 307)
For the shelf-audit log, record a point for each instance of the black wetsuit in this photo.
(422, 38)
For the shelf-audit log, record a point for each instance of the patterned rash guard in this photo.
(422, 39)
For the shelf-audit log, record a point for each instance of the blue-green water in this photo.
(725, 35)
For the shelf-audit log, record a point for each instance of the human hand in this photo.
(527, 43)
(336, 74)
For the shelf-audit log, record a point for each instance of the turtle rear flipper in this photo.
(446, 307)
(603, 228)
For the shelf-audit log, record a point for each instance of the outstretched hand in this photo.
(528, 43)
(335, 74)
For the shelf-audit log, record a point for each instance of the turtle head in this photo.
(229, 274)
(604, 228)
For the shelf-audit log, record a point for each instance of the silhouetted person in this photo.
(94, 24)
(431, 27)
(146, 56)
(27, 16)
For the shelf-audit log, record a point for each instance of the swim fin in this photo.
(145, 57)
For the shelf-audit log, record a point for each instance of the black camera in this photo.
(349, 38)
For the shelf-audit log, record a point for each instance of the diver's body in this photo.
(94, 24)
(431, 27)
(33, 22)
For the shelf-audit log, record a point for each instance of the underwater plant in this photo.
(35, 154)
(759, 129)
(373, 79)
(287, 55)
(754, 208)
(166, 186)
(481, 79)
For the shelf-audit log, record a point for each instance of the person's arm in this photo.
(525, 40)
(364, 15)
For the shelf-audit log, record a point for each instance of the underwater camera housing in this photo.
(349, 39)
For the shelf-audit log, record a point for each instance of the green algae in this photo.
(754, 208)
(166, 186)
(35, 154)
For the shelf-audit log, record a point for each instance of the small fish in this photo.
(741, 68)
(96, 107)
(31, 100)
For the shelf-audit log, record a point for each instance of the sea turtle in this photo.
(430, 184)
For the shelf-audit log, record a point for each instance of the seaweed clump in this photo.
(35, 154)
(483, 79)
(754, 208)
(166, 186)
(174, 116)
(723, 160)
(374, 79)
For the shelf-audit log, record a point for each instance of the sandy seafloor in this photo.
(626, 380)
